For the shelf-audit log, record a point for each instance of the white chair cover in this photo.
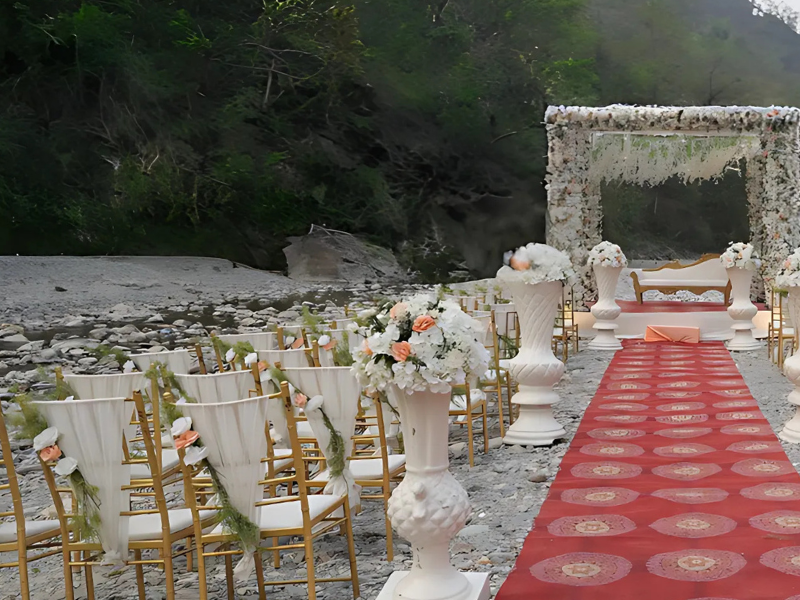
(219, 387)
(354, 339)
(485, 327)
(260, 340)
(90, 431)
(341, 393)
(234, 433)
(118, 385)
(177, 361)
(288, 358)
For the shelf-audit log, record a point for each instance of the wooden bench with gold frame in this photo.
(704, 275)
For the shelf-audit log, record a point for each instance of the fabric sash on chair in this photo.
(90, 431)
(177, 361)
(121, 385)
(337, 391)
(260, 340)
(219, 387)
(234, 433)
(288, 358)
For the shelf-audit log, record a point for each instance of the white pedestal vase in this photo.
(429, 507)
(606, 310)
(742, 311)
(791, 368)
(535, 368)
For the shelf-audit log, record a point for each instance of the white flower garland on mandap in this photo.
(423, 343)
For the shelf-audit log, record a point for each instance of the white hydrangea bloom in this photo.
(789, 275)
(536, 263)
(606, 254)
(740, 255)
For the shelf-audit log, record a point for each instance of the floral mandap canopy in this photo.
(647, 145)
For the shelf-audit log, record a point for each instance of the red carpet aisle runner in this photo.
(674, 488)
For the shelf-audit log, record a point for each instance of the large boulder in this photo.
(327, 255)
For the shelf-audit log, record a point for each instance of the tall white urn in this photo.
(742, 311)
(606, 310)
(535, 368)
(429, 507)
(791, 368)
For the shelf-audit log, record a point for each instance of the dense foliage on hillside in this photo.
(221, 128)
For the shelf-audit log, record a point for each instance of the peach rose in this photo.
(300, 400)
(298, 343)
(423, 323)
(186, 439)
(330, 345)
(518, 264)
(262, 365)
(365, 348)
(398, 309)
(401, 351)
(50, 453)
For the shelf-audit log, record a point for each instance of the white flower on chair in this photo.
(128, 367)
(250, 359)
(66, 466)
(195, 454)
(230, 355)
(181, 426)
(47, 438)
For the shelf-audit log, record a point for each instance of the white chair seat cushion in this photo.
(368, 468)
(505, 363)
(557, 331)
(8, 530)
(148, 527)
(287, 515)
(169, 460)
(280, 465)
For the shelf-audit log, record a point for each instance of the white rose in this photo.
(230, 355)
(181, 426)
(69, 398)
(195, 454)
(45, 439)
(250, 359)
(128, 367)
(324, 340)
(66, 466)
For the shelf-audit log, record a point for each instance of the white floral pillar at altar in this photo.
(535, 278)
(607, 261)
(416, 351)
(741, 261)
(789, 279)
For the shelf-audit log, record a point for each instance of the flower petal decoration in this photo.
(186, 439)
(300, 400)
(250, 359)
(423, 323)
(230, 355)
(128, 367)
(45, 439)
(50, 453)
(401, 351)
(66, 466)
(194, 455)
(181, 426)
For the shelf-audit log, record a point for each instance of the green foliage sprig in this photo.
(312, 322)
(341, 352)
(234, 521)
(104, 350)
(86, 519)
(29, 421)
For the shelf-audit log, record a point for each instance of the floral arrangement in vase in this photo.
(423, 343)
(606, 254)
(789, 274)
(740, 255)
(536, 263)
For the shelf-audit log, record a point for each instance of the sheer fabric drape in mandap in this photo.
(177, 361)
(219, 387)
(90, 431)
(118, 385)
(337, 391)
(234, 433)
(260, 340)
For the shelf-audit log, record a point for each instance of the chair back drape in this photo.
(260, 340)
(341, 393)
(288, 358)
(177, 361)
(90, 431)
(217, 388)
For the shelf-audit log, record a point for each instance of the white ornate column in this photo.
(742, 311)
(429, 507)
(535, 368)
(606, 310)
(791, 368)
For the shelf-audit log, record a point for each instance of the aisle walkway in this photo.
(674, 488)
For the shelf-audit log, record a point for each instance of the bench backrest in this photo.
(708, 267)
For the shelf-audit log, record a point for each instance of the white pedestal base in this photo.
(535, 425)
(605, 338)
(743, 340)
(791, 431)
(478, 587)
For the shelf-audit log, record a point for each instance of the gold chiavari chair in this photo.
(372, 465)
(565, 331)
(508, 335)
(20, 535)
(304, 515)
(781, 332)
(474, 407)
